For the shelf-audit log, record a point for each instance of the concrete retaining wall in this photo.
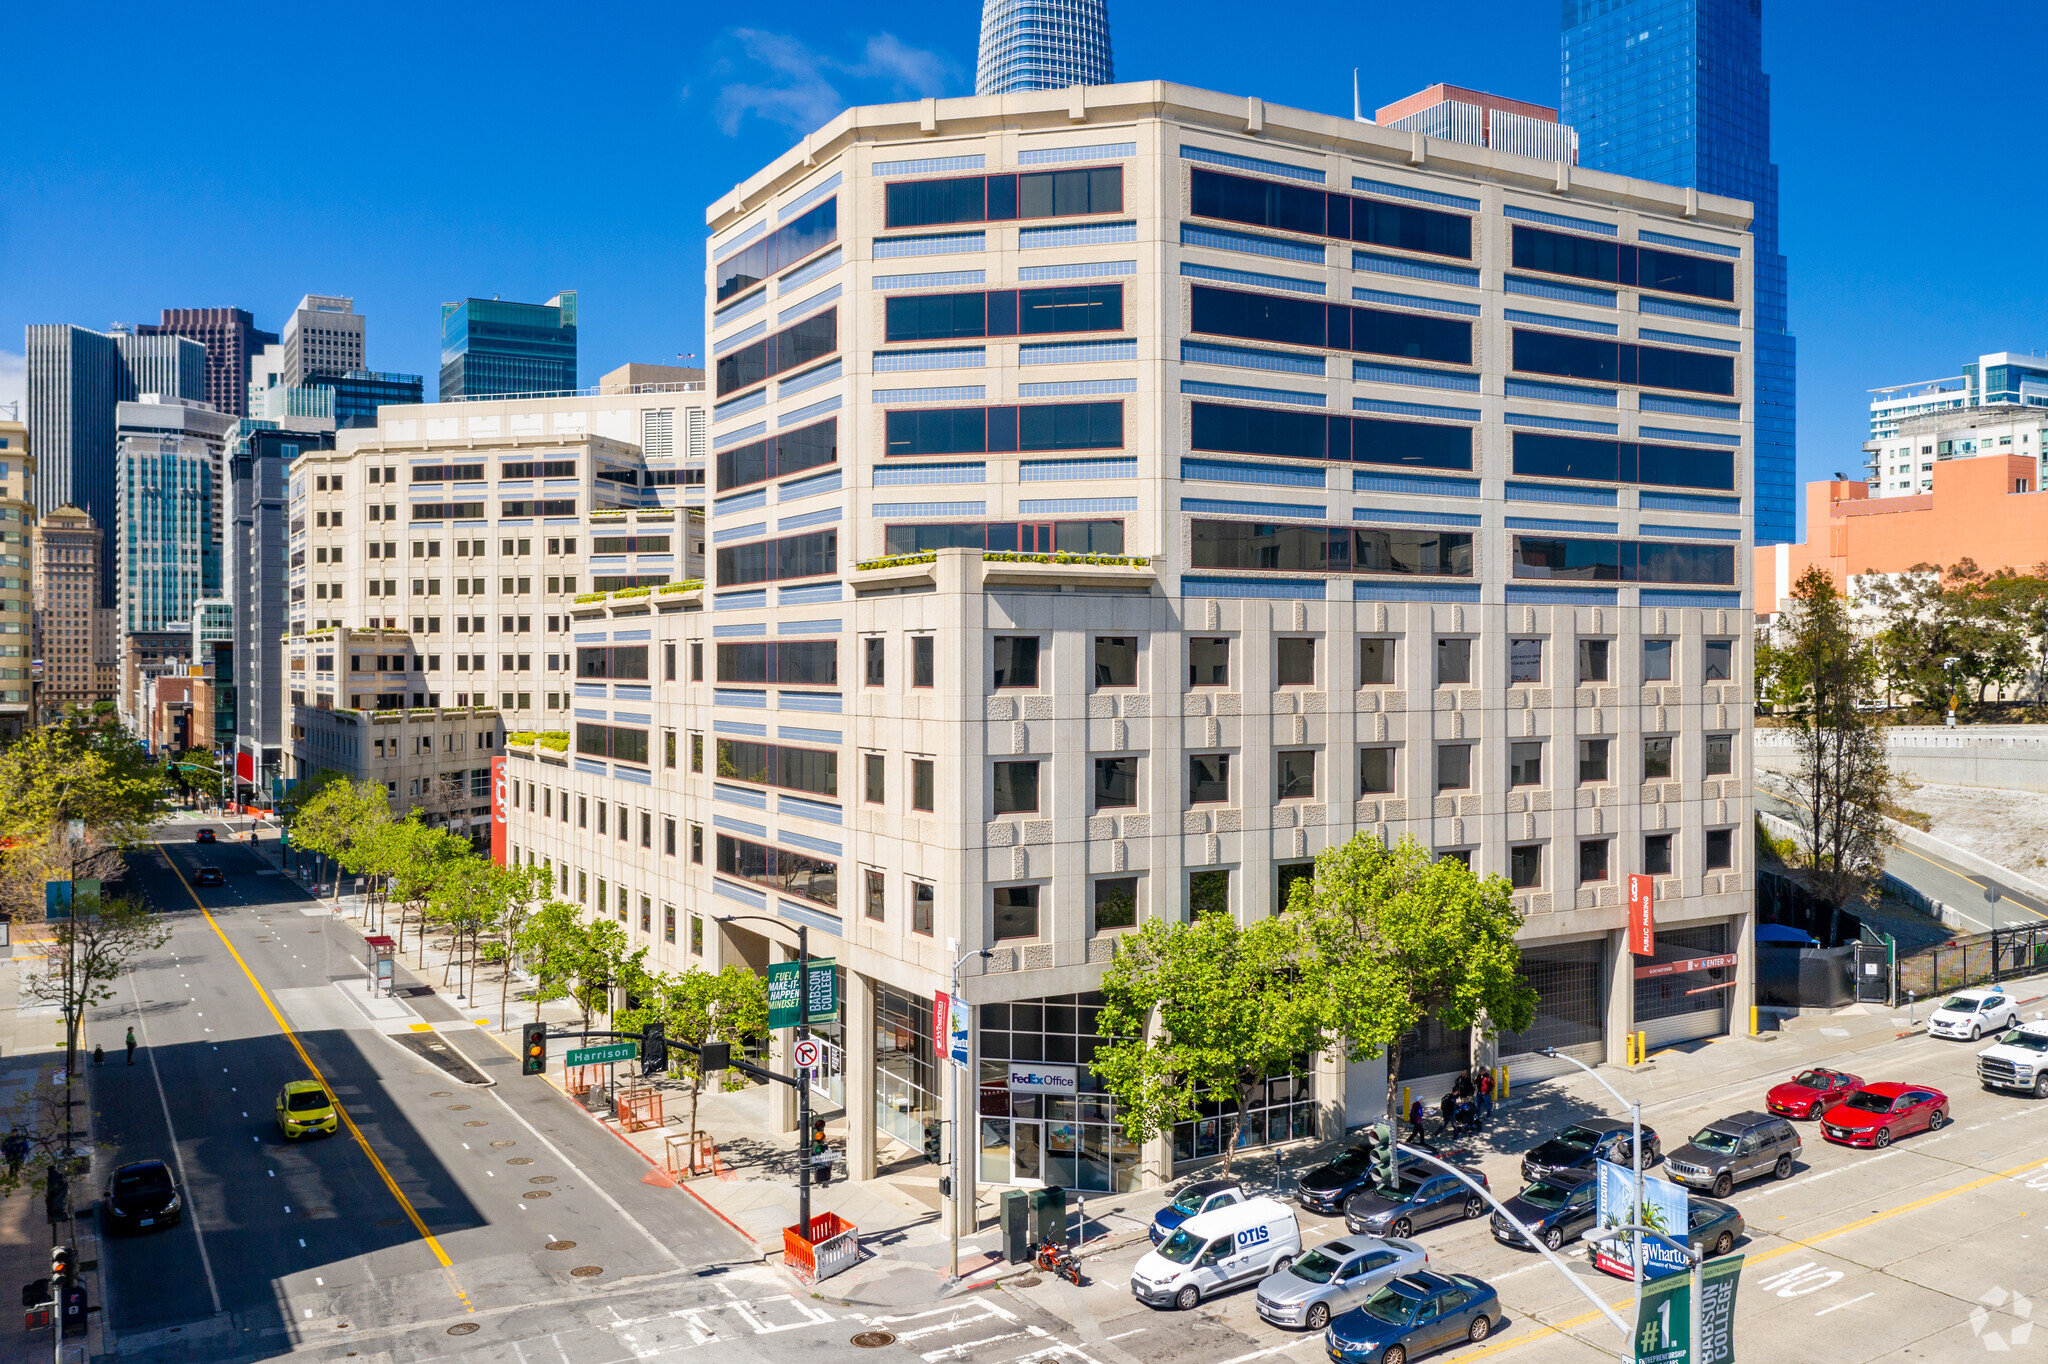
(2009, 757)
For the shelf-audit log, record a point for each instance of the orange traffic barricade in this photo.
(833, 1245)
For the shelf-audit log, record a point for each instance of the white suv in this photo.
(1972, 1013)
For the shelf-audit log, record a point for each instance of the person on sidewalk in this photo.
(15, 1148)
(131, 1046)
(1486, 1096)
(99, 1055)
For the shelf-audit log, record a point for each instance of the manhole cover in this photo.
(1028, 1281)
(391, 1221)
(586, 1271)
(504, 1142)
(874, 1340)
(541, 1179)
(561, 1245)
(458, 1108)
(462, 1328)
(476, 1122)
(518, 1160)
(542, 1193)
(442, 1094)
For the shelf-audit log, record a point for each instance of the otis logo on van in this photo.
(1032, 1079)
(1254, 1236)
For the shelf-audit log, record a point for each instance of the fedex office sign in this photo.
(1030, 1079)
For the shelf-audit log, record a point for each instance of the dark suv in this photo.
(1738, 1148)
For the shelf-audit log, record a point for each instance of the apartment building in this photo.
(17, 595)
(74, 644)
(1349, 491)
(434, 561)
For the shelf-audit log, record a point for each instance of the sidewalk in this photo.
(905, 1248)
(32, 1055)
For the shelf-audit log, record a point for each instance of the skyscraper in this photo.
(1043, 45)
(231, 338)
(76, 376)
(489, 346)
(167, 526)
(1675, 91)
(324, 335)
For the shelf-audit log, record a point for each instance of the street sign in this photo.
(959, 1023)
(1662, 1335)
(805, 1054)
(56, 899)
(782, 978)
(605, 1052)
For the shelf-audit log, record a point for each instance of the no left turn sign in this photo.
(806, 1055)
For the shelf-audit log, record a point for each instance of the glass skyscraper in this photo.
(1043, 45)
(1675, 91)
(490, 347)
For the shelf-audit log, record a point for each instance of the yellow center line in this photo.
(1792, 1243)
(1963, 875)
(404, 1203)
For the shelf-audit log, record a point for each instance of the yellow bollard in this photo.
(1404, 1103)
(1752, 1020)
(1642, 1047)
(1631, 1049)
(1501, 1088)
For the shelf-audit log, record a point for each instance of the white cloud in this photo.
(802, 89)
(14, 382)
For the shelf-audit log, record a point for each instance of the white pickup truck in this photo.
(2019, 1060)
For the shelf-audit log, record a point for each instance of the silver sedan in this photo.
(1334, 1278)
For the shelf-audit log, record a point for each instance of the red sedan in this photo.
(1874, 1114)
(1810, 1093)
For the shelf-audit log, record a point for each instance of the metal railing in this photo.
(1974, 960)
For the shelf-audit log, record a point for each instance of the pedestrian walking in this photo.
(131, 1046)
(99, 1054)
(15, 1148)
(1486, 1096)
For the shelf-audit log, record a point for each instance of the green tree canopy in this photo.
(695, 1007)
(551, 943)
(1397, 938)
(102, 778)
(1202, 1010)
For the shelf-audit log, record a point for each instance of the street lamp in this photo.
(803, 1033)
(961, 1117)
(1635, 1117)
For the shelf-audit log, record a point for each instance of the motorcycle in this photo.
(1059, 1260)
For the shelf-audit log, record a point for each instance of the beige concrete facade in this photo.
(1306, 712)
(73, 633)
(17, 592)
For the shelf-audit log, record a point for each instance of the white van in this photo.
(1216, 1251)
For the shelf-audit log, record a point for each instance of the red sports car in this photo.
(1874, 1114)
(1810, 1093)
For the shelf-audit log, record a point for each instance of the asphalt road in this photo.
(431, 1216)
(1980, 900)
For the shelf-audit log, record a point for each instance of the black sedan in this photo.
(1420, 1198)
(208, 876)
(203, 836)
(141, 1197)
(1325, 1188)
(1413, 1315)
(1578, 1146)
(1558, 1208)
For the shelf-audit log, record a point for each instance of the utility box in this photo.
(1048, 1216)
(1014, 1216)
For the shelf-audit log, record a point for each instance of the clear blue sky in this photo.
(245, 155)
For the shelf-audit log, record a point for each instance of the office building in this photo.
(436, 560)
(359, 393)
(73, 650)
(1987, 509)
(231, 338)
(1482, 120)
(1043, 45)
(1994, 407)
(1347, 492)
(167, 540)
(1674, 91)
(324, 335)
(17, 565)
(76, 378)
(490, 347)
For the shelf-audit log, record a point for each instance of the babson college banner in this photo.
(498, 799)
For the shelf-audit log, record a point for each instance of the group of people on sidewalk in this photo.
(1466, 1106)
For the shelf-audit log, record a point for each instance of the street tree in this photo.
(420, 863)
(695, 1007)
(1843, 782)
(550, 941)
(87, 781)
(1202, 1013)
(85, 954)
(337, 817)
(607, 961)
(1396, 938)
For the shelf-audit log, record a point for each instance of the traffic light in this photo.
(1383, 1154)
(653, 1049)
(533, 1049)
(61, 1270)
(931, 1143)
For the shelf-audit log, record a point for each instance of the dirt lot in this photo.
(2009, 827)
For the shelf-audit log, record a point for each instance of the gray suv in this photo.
(1738, 1148)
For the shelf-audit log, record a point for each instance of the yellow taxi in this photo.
(303, 1108)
